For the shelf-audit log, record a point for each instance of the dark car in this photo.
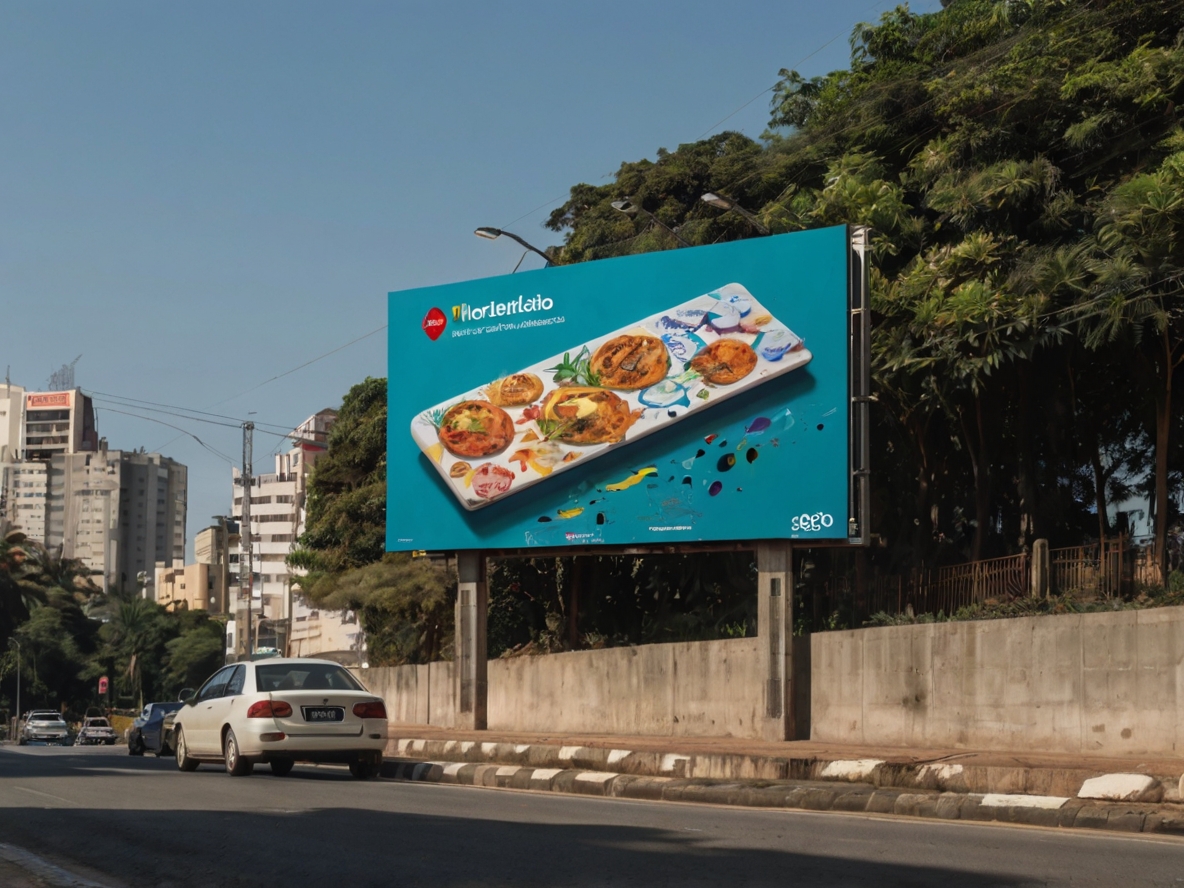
(149, 732)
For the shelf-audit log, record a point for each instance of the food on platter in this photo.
(475, 428)
(489, 480)
(631, 362)
(515, 390)
(502, 437)
(777, 343)
(579, 414)
(724, 362)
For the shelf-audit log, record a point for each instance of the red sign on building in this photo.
(43, 400)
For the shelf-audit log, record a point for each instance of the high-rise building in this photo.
(279, 619)
(12, 424)
(58, 423)
(35, 427)
(119, 512)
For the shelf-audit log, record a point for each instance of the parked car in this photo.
(281, 711)
(95, 730)
(44, 726)
(150, 731)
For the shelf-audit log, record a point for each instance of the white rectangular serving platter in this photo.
(728, 312)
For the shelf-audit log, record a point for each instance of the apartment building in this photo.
(58, 423)
(35, 427)
(183, 586)
(280, 619)
(119, 512)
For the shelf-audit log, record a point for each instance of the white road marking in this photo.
(46, 795)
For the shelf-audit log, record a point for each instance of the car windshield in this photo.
(46, 719)
(97, 723)
(305, 677)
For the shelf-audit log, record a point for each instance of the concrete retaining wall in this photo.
(1096, 683)
(711, 688)
(421, 695)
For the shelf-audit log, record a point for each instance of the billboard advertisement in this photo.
(693, 395)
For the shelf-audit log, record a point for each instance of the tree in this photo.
(1018, 164)
(346, 521)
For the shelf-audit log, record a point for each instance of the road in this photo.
(126, 821)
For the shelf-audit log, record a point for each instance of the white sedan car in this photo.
(281, 711)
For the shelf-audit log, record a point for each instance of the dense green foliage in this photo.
(403, 605)
(68, 634)
(1020, 164)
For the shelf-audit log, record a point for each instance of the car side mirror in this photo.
(187, 695)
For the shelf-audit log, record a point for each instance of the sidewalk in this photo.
(1140, 794)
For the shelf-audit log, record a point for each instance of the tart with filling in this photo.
(475, 428)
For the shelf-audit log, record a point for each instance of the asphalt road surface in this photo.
(124, 821)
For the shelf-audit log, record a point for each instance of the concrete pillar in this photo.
(774, 564)
(1040, 569)
(472, 664)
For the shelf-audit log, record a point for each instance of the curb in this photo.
(1034, 810)
(941, 776)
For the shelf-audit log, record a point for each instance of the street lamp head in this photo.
(716, 200)
(626, 206)
(488, 233)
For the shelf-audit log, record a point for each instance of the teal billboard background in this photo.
(770, 463)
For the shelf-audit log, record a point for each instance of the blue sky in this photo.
(199, 197)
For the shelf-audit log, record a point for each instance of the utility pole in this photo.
(245, 532)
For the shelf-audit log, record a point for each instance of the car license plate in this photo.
(323, 713)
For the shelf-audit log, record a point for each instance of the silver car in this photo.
(45, 727)
(95, 730)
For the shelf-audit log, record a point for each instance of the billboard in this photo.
(693, 395)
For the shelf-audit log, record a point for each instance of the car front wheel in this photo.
(184, 761)
(135, 746)
(236, 765)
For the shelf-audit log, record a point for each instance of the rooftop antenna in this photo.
(63, 378)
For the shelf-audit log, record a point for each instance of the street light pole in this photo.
(629, 208)
(494, 233)
(245, 530)
(726, 203)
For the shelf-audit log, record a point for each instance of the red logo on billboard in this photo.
(434, 323)
(103, 684)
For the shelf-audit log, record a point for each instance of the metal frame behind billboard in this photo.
(706, 397)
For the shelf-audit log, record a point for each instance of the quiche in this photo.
(515, 390)
(631, 362)
(475, 428)
(724, 361)
(585, 415)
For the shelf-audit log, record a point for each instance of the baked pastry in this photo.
(579, 414)
(515, 390)
(475, 428)
(631, 362)
(724, 361)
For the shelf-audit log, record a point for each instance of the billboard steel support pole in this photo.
(859, 524)
(472, 667)
(774, 564)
